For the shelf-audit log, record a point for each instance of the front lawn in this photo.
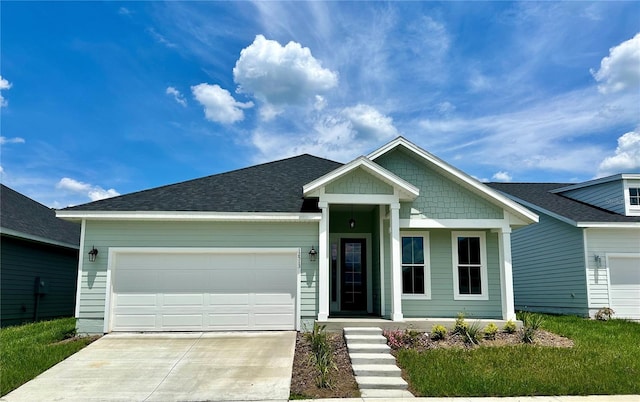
(28, 350)
(604, 360)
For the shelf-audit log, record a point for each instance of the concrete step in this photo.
(372, 358)
(365, 339)
(376, 370)
(367, 348)
(381, 383)
(385, 393)
(362, 331)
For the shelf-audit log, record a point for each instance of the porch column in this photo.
(396, 264)
(506, 274)
(323, 264)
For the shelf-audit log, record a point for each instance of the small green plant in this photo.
(604, 314)
(509, 327)
(490, 331)
(473, 333)
(461, 325)
(322, 354)
(531, 323)
(395, 338)
(438, 332)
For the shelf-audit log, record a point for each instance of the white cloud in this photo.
(94, 193)
(219, 105)
(124, 11)
(621, 69)
(281, 74)
(14, 140)
(369, 123)
(4, 85)
(502, 176)
(626, 158)
(177, 96)
(446, 108)
(160, 38)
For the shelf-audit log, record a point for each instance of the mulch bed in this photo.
(303, 379)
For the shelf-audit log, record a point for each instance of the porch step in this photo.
(373, 364)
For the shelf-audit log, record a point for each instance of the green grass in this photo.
(28, 350)
(604, 360)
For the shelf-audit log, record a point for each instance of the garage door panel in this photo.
(182, 291)
(624, 277)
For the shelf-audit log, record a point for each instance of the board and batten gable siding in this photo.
(24, 261)
(549, 267)
(440, 198)
(601, 242)
(358, 182)
(105, 234)
(609, 196)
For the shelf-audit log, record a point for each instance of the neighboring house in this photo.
(396, 234)
(38, 261)
(584, 254)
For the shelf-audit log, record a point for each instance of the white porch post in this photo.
(396, 264)
(323, 264)
(506, 274)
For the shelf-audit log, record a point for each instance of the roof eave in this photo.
(189, 216)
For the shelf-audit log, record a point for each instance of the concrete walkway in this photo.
(170, 367)
(591, 398)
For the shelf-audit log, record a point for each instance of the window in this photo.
(470, 269)
(415, 265)
(634, 196)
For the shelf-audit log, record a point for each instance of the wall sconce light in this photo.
(598, 260)
(313, 254)
(93, 254)
(352, 223)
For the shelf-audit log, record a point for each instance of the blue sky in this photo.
(100, 99)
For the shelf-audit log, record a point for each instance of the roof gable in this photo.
(23, 217)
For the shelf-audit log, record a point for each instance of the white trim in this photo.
(484, 286)
(359, 199)
(396, 264)
(427, 265)
(602, 180)
(381, 218)
(585, 243)
(463, 178)
(114, 251)
(324, 256)
(609, 225)
(506, 274)
(83, 229)
(424, 223)
(190, 216)
(299, 292)
(630, 210)
(39, 239)
(411, 191)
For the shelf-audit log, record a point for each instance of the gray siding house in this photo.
(397, 234)
(38, 261)
(584, 253)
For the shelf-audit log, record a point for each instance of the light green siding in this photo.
(440, 198)
(549, 267)
(608, 195)
(104, 234)
(358, 182)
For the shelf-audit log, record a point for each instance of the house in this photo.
(396, 234)
(584, 254)
(38, 261)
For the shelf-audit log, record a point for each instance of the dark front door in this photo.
(353, 271)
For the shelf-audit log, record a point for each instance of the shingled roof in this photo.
(540, 194)
(21, 216)
(269, 187)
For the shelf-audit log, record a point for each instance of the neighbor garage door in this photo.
(624, 274)
(203, 289)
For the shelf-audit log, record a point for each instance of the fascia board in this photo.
(189, 216)
(461, 177)
(39, 239)
(609, 225)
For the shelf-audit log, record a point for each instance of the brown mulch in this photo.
(303, 378)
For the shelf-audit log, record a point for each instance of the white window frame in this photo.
(427, 266)
(630, 210)
(484, 288)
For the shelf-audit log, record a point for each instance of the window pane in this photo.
(407, 280)
(407, 249)
(418, 250)
(418, 280)
(474, 250)
(634, 191)
(463, 280)
(635, 200)
(463, 250)
(474, 278)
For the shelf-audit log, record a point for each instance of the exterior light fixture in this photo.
(313, 254)
(93, 254)
(598, 260)
(352, 223)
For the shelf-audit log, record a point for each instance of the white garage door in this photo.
(624, 274)
(203, 289)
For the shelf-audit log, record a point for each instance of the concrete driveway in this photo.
(170, 367)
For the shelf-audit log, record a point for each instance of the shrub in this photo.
(531, 323)
(322, 354)
(604, 314)
(461, 325)
(490, 331)
(473, 333)
(395, 338)
(438, 332)
(509, 327)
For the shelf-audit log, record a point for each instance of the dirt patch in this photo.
(86, 339)
(303, 378)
